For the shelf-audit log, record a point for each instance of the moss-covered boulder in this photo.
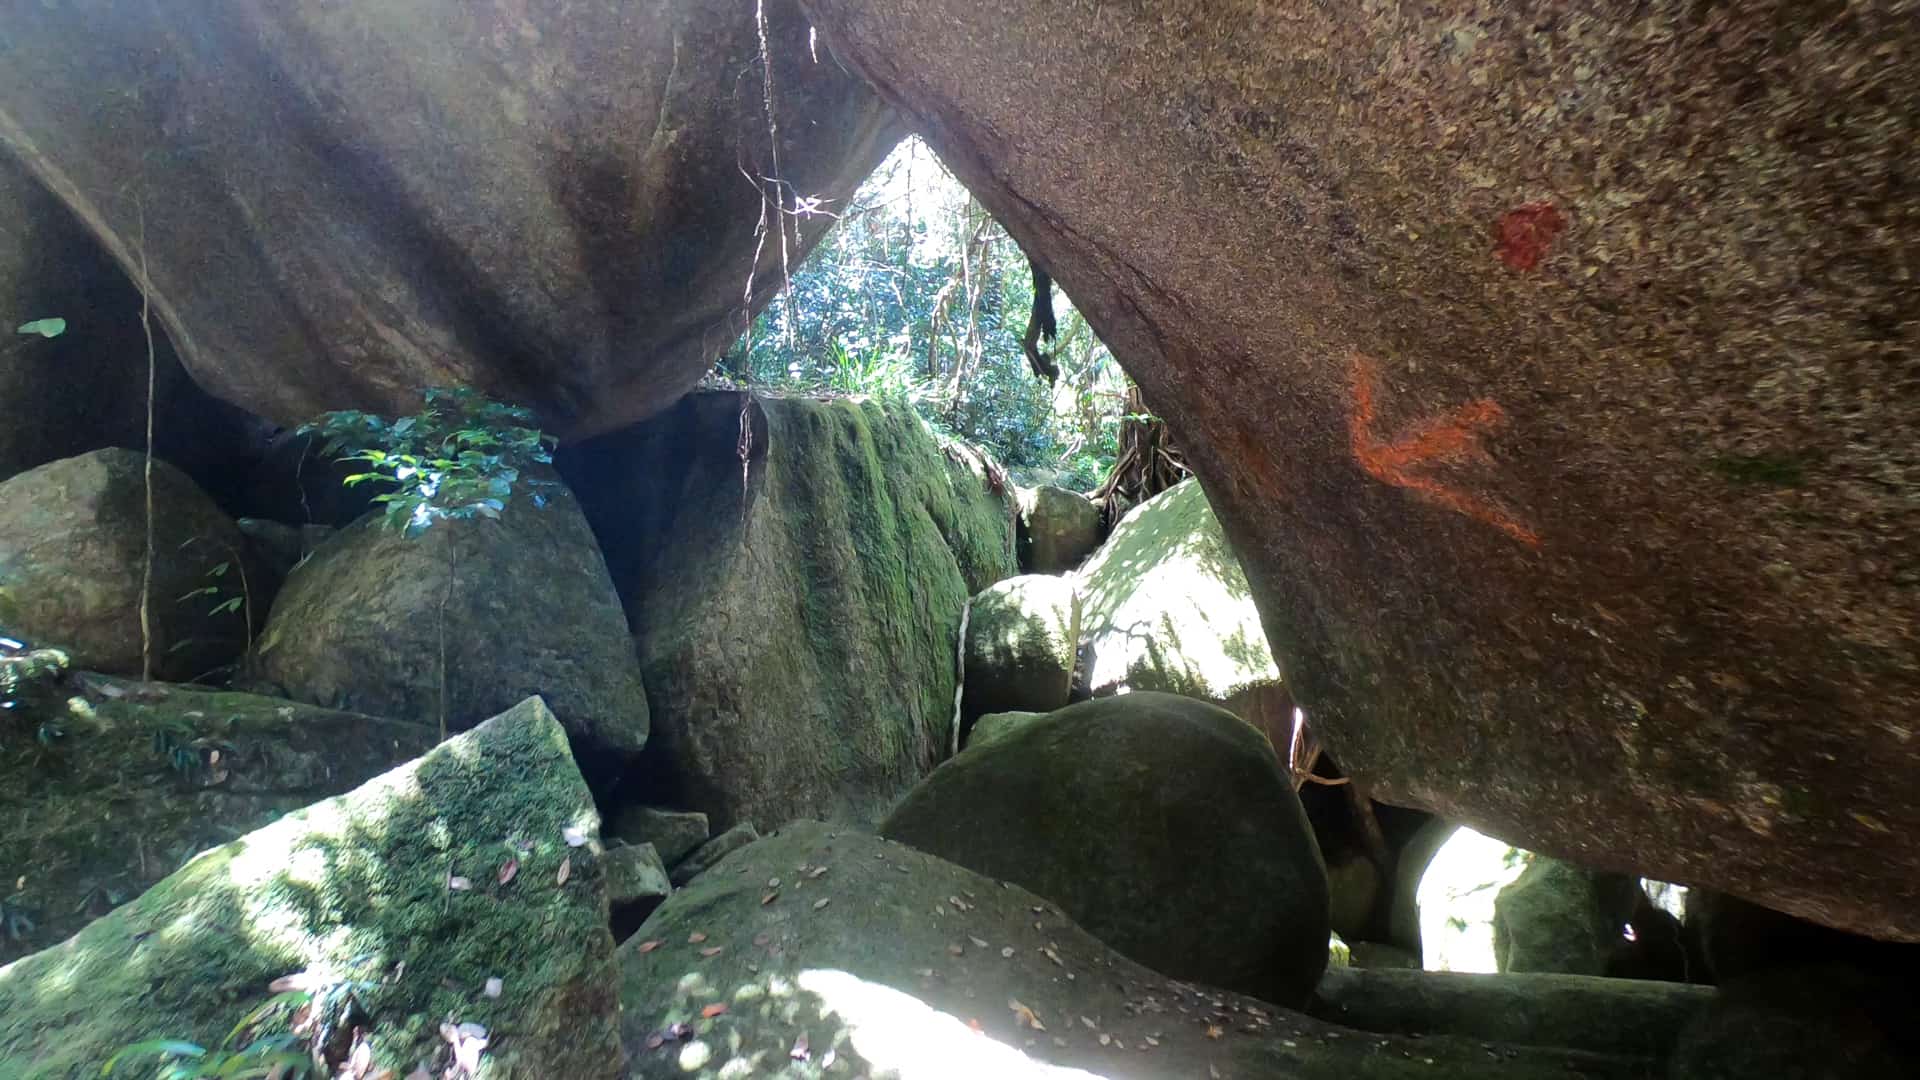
(1165, 606)
(1162, 825)
(824, 953)
(795, 572)
(1021, 634)
(673, 833)
(476, 862)
(109, 786)
(515, 606)
(1558, 917)
(73, 543)
(1620, 1018)
(1058, 529)
(993, 725)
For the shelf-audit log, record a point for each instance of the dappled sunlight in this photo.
(901, 1036)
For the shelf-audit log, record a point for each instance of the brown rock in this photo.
(1551, 370)
(340, 204)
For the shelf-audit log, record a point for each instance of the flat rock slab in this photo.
(142, 777)
(896, 963)
(400, 887)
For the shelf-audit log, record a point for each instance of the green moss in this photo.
(1768, 470)
(357, 887)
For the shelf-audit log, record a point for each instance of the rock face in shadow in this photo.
(797, 614)
(1549, 367)
(87, 388)
(142, 777)
(1162, 825)
(865, 954)
(525, 605)
(340, 204)
(356, 889)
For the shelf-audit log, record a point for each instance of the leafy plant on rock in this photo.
(249, 1052)
(459, 458)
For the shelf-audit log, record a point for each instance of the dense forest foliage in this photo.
(918, 293)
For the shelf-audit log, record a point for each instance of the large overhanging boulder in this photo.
(338, 204)
(1550, 367)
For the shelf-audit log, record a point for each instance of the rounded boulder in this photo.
(1161, 824)
(73, 552)
(1021, 635)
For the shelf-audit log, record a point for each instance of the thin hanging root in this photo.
(146, 570)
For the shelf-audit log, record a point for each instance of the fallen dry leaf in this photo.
(648, 946)
(459, 884)
(508, 869)
(696, 937)
(1024, 1015)
(566, 871)
(713, 1010)
(1105, 1039)
(1214, 1031)
(573, 835)
(1007, 952)
(816, 872)
(822, 902)
(494, 987)
(713, 951)
(978, 943)
(1053, 956)
(956, 950)
(769, 898)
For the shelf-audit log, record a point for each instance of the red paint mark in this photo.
(1450, 438)
(1526, 232)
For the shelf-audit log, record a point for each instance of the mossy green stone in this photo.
(358, 887)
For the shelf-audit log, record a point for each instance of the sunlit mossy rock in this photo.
(399, 887)
(1487, 906)
(1058, 529)
(525, 605)
(1021, 634)
(871, 958)
(73, 544)
(1165, 606)
(796, 612)
(108, 786)
(1162, 824)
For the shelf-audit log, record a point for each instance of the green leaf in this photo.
(169, 1047)
(227, 606)
(220, 570)
(46, 328)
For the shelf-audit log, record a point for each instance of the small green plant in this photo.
(459, 457)
(249, 1052)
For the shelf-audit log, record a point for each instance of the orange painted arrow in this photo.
(1453, 437)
